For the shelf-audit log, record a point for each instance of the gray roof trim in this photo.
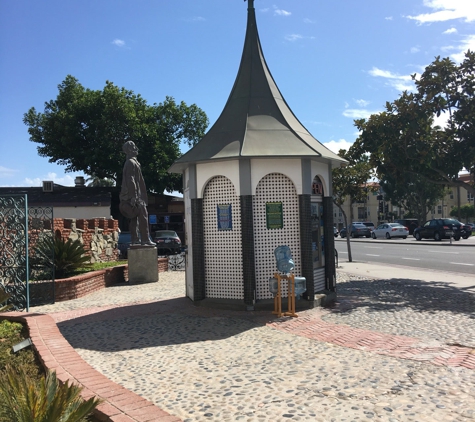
(256, 121)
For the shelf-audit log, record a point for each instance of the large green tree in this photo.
(405, 139)
(411, 192)
(350, 182)
(465, 212)
(85, 129)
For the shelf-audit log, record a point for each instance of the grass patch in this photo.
(98, 266)
(12, 333)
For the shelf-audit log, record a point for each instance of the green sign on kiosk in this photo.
(274, 215)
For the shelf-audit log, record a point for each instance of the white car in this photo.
(389, 230)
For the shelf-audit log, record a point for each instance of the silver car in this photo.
(389, 230)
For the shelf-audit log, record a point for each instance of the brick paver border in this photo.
(309, 324)
(56, 354)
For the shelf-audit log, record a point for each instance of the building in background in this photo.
(377, 210)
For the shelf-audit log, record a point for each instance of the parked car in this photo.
(335, 232)
(167, 242)
(467, 230)
(368, 224)
(123, 244)
(357, 230)
(441, 228)
(389, 230)
(410, 223)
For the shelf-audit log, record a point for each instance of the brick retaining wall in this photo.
(85, 284)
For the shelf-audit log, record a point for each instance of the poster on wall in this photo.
(274, 215)
(225, 217)
(315, 235)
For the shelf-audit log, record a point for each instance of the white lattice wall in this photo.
(274, 187)
(223, 251)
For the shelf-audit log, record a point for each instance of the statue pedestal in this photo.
(143, 264)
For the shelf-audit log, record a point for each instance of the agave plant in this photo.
(25, 399)
(68, 255)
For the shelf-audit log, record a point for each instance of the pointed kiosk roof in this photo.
(256, 121)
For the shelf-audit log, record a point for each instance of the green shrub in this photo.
(26, 399)
(69, 255)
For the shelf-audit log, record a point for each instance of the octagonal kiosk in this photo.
(257, 179)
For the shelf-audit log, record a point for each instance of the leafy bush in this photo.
(68, 256)
(26, 399)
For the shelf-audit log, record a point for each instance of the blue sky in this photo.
(333, 61)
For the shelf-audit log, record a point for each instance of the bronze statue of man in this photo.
(133, 197)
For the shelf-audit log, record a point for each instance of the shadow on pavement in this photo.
(390, 294)
(164, 323)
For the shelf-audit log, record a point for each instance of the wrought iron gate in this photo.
(14, 249)
(177, 262)
(20, 231)
(41, 258)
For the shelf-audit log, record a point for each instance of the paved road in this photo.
(443, 256)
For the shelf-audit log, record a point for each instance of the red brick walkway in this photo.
(309, 324)
(119, 405)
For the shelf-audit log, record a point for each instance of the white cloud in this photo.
(307, 20)
(6, 172)
(450, 31)
(194, 19)
(415, 50)
(65, 180)
(118, 43)
(466, 44)
(358, 113)
(335, 146)
(442, 120)
(389, 18)
(444, 10)
(361, 103)
(398, 82)
(281, 12)
(293, 37)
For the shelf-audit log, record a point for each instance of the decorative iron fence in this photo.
(177, 262)
(14, 249)
(23, 275)
(41, 258)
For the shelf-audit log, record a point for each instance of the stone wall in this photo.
(98, 235)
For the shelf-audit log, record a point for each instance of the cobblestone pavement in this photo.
(210, 365)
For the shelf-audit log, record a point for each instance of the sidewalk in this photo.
(384, 272)
(397, 347)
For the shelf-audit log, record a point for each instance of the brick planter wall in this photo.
(85, 284)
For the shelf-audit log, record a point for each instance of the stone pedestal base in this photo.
(143, 264)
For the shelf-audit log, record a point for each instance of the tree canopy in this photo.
(85, 129)
(351, 182)
(405, 137)
(412, 192)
